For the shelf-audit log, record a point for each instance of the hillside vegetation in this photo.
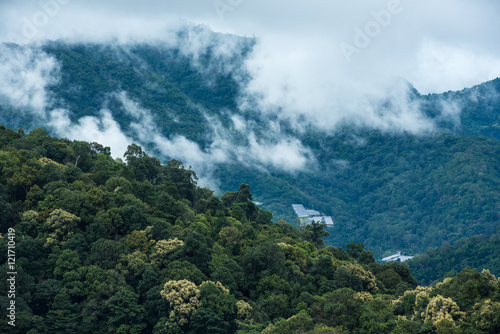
(392, 193)
(110, 246)
(478, 252)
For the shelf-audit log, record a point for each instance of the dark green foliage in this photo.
(124, 314)
(479, 252)
(263, 260)
(96, 245)
(396, 193)
(208, 322)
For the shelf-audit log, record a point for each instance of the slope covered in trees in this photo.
(106, 246)
(392, 193)
(478, 252)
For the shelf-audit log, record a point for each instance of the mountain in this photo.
(92, 244)
(390, 186)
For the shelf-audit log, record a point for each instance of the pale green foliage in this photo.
(139, 240)
(366, 277)
(441, 308)
(165, 326)
(488, 316)
(244, 311)
(184, 299)
(134, 264)
(60, 225)
(230, 236)
(163, 249)
(25, 178)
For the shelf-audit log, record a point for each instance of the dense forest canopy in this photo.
(108, 245)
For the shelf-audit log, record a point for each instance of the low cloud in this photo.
(298, 68)
(442, 67)
(25, 74)
(102, 129)
(278, 151)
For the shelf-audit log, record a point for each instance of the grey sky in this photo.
(438, 46)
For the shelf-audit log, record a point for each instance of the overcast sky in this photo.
(438, 46)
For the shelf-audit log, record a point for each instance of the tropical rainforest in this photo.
(105, 245)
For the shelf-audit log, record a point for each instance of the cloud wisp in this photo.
(25, 75)
(277, 151)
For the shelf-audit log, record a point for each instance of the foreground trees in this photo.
(108, 247)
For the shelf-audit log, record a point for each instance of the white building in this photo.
(312, 215)
(398, 256)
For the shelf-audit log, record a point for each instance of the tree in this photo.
(143, 166)
(60, 227)
(231, 238)
(25, 178)
(124, 314)
(183, 179)
(68, 260)
(317, 233)
(9, 165)
(106, 253)
(487, 316)
(184, 299)
(366, 257)
(354, 250)
(179, 270)
(205, 321)
(62, 316)
(299, 323)
(163, 250)
(165, 326)
(340, 308)
(216, 297)
(262, 260)
(196, 251)
(443, 312)
(242, 199)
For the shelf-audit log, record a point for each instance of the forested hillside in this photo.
(478, 252)
(391, 190)
(110, 246)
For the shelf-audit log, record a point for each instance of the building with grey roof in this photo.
(308, 216)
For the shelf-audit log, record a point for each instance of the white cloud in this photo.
(287, 154)
(25, 74)
(442, 67)
(103, 130)
(298, 66)
(278, 151)
(307, 36)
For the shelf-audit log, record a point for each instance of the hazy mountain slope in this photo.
(478, 252)
(476, 110)
(392, 193)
